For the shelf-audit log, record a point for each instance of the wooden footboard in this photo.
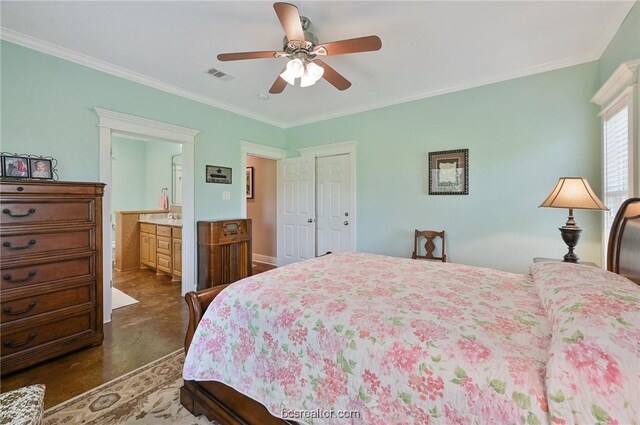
(213, 399)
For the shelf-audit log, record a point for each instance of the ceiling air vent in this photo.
(219, 74)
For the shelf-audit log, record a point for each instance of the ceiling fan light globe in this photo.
(295, 67)
(315, 71)
(307, 80)
(288, 77)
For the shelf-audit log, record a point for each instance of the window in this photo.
(619, 101)
(618, 158)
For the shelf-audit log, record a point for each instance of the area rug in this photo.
(120, 299)
(149, 395)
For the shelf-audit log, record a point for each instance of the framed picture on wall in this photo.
(449, 172)
(249, 182)
(216, 174)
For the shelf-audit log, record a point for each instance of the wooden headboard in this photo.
(624, 241)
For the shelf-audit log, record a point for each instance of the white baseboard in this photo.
(264, 259)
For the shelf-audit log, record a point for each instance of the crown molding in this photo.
(51, 49)
(117, 121)
(537, 69)
(623, 77)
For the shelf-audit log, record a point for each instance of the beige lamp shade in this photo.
(573, 192)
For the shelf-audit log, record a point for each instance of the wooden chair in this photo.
(429, 245)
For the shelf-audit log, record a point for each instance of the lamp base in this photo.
(570, 235)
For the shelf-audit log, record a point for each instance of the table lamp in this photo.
(572, 193)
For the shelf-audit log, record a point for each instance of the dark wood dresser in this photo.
(50, 269)
(224, 252)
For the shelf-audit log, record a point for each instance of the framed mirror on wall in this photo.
(176, 180)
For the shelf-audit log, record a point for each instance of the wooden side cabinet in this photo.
(176, 253)
(224, 252)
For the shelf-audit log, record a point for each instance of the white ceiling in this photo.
(428, 48)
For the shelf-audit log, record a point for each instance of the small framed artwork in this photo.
(249, 182)
(40, 168)
(449, 172)
(15, 167)
(217, 174)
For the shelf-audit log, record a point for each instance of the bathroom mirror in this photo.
(176, 180)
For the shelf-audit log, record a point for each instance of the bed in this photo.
(362, 338)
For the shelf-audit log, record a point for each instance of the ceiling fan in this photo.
(302, 49)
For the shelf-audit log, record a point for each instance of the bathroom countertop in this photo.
(162, 221)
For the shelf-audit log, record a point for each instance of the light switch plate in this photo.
(226, 195)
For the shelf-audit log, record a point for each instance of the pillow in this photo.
(593, 371)
(23, 406)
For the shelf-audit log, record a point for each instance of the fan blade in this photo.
(246, 55)
(332, 76)
(290, 20)
(353, 45)
(279, 85)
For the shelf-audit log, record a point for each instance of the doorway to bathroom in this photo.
(146, 220)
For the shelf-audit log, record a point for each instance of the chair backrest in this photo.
(623, 255)
(429, 245)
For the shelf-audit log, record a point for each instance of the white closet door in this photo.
(333, 199)
(296, 210)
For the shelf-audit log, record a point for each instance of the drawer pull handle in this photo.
(10, 312)
(8, 278)
(8, 212)
(15, 248)
(10, 343)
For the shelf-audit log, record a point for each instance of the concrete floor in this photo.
(137, 335)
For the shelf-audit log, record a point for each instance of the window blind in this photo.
(616, 163)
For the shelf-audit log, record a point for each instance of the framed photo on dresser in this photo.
(15, 167)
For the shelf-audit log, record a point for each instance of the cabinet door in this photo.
(176, 253)
(144, 249)
(152, 250)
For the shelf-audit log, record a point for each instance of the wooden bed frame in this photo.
(222, 403)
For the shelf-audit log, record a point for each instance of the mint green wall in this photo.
(128, 165)
(624, 46)
(522, 135)
(140, 170)
(46, 109)
(158, 171)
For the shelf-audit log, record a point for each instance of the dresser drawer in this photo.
(12, 246)
(27, 338)
(164, 245)
(21, 276)
(44, 303)
(164, 263)
(148, 228)
(26, 211)
(163, 231)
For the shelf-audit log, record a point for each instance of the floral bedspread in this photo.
(593, 372)
(361, 338)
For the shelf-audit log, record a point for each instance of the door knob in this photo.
(346, 223)
(310, 220)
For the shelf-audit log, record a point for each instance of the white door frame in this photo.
(343, 148)
(110, 122)
(262, 151)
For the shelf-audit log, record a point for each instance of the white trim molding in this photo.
(111, 122)
(124, 123)
(626, 75)
(331, 149)
(52, 49)
(265, 259)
